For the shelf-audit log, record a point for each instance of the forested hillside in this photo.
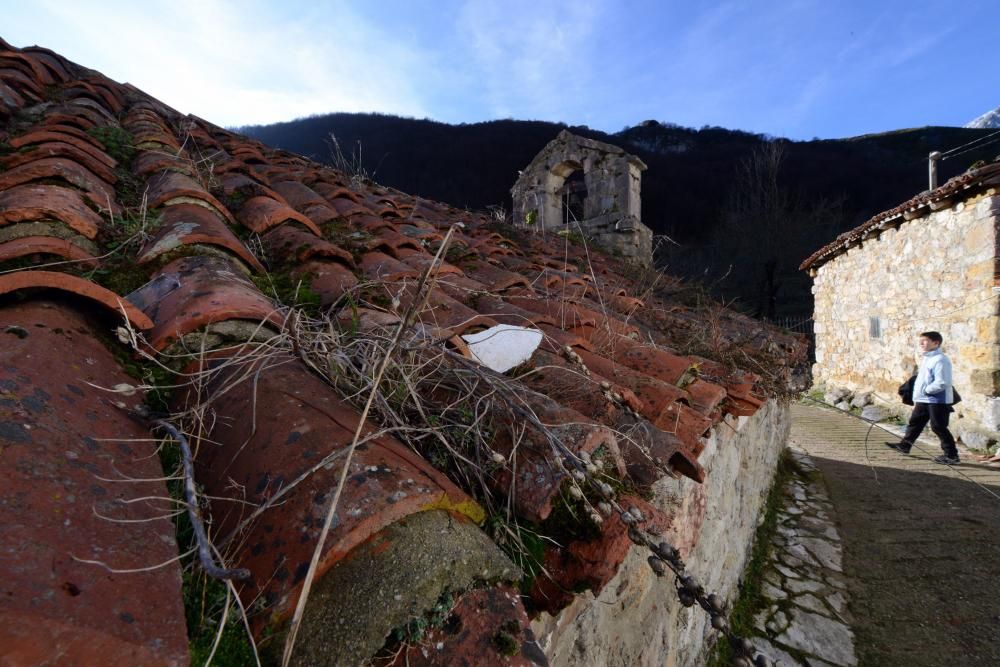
(698, 190)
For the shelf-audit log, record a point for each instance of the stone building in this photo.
(928, 264)
(578, 180)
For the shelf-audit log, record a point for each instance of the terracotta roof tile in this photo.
(170, 187)
(99, 167)
(192, 292)
(99, 192)
(267, 451)
(962, 186)
(62, 440)
(189, 224)
(27, 280)
(259, 214)
(46, 245)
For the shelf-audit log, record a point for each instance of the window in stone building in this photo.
(874, 327)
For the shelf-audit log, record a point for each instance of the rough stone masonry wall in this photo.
(637, 619)
(933, 273)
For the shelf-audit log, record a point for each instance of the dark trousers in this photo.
(937, 414)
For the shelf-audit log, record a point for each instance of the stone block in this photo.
(991, 414)
(974, 439)
(843, 405)
(988, 329)
(985, 381)
(873, 413)
(861, 399)
(980, 355)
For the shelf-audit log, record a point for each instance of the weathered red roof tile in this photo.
(67, 135)
(99, 192)
(27, 63)
(24, 203)
(299, 439)
(46, 245)
(330, 280)
(590, 564)
(381, 267)
(32, 279)
(298, 195)
(54, 62)
(189, 224)
(62, 440)
(171, 187)
(192, 292)
(498, 279)
(148, 162)
(260, 214)
(538, 473)
(98, 167)
(294, 245)
(22, 82)
(238, 183)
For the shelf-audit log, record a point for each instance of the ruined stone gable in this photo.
(577, 181)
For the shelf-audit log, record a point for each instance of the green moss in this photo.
(289, 291)
(506, 640)
(117, 142)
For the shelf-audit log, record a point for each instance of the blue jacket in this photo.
(933, 384)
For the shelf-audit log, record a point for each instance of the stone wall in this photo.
(933, 273)
(637, 619)
(612, 208)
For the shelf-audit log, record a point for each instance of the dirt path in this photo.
(921, 544)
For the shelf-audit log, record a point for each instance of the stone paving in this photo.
(919, 548)
(807, 621)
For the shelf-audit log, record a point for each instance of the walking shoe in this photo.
(900, 447)
(944, 459)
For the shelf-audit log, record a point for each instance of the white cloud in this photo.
(534, 58)
(234, 63)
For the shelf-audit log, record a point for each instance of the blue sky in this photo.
(800, 69)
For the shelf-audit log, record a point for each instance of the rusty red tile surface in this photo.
(99, 192)
(330, 280)
(168, 186)
(498, 279)
(46, 245)
(24, 280)
(538, 475)
(260, 214)
(304, 428)
(238, 183)
(66, 135)
(487, 627)
(591, 564)
(146, 163)
(60, 149)
(298, 195)
(188, 224)
(59, 436)
(192, 292)
(381, 267)
(24, 203)
(294, 245)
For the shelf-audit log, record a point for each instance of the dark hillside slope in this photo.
(694, 177)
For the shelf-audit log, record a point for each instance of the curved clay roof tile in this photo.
(23, 280)
(46, 245)
(67, 445)
(260, 214)
(65, 150)
(24, 203)
(192, 292)
(189, 224)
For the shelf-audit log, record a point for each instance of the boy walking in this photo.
(932, 399)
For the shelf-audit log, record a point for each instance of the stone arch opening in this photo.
(565, 193)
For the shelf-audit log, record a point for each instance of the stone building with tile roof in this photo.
(303, 337)
(929, 264)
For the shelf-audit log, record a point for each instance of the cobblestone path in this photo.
(920, 546)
